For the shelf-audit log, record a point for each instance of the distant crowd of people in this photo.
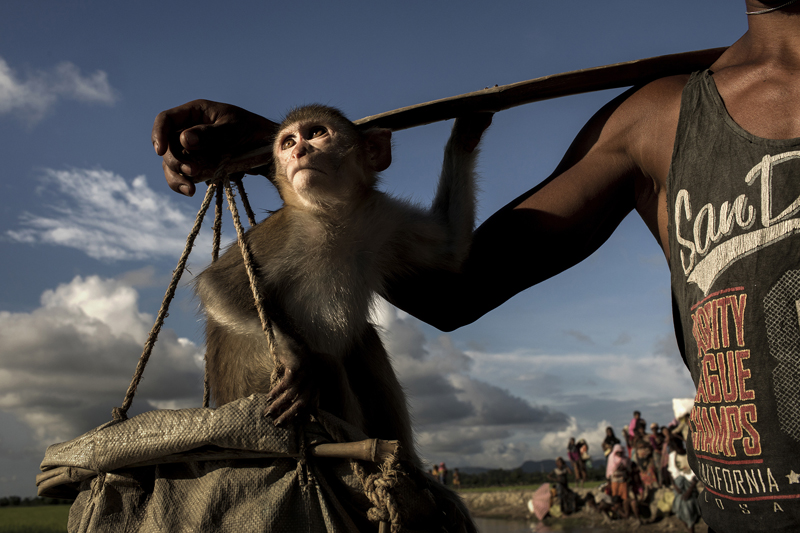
(440, 473)
(637, 468)
(634, 473)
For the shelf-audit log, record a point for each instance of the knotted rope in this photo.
(379, 488)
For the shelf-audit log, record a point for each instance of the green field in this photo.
(38, 519)
(53, 518)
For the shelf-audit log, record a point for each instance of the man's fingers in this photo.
(220, 138)
(178, 182)
(160, 132)
(175, 119)
(195, 137)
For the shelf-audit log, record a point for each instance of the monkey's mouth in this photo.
(315, 169)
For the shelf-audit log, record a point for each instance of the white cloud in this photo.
(67, 363)
(64, 365)
(457, 417)
(476, 408)
(33, 96)
(648, 377)
(555, 443)
(144, 277)
(102, 214)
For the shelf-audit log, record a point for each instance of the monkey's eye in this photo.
(317, 131)
(287, 143)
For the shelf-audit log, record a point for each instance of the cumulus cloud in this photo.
(457, 416)
(667, 346)
(107, 217)
(639, 377)
(555, 442)
(64, 365)
(33, 95)
(144, 277)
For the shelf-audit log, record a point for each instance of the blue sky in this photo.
(89, 232)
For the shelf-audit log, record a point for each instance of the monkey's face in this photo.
(318, 162)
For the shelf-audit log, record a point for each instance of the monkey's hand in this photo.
(467, 130)
(193, 138)
(298, 390)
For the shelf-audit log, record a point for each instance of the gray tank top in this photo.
(734, 237)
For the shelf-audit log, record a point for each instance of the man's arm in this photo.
(618, 162)
(605, 174)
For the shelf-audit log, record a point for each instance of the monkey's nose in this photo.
(299, 150)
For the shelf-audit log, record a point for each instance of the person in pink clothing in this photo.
(634, 422)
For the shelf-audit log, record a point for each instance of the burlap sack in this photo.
(211, 470)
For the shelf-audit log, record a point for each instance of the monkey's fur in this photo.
(321, 258)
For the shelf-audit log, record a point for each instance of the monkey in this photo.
(336, 242)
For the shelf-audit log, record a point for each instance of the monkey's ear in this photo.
(378, 147)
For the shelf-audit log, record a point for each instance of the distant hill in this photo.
(538, 466)
(472, 470)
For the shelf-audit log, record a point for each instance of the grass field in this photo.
(39, 519)
(53, 518)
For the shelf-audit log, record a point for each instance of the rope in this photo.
(378, 488)
(217, 225)
(249, 263)
(251, 217)
(215, 245)
(121, 413)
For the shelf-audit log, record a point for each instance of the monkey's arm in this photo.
(304, 373)
(439, 238)
(240, 361)
(454, 204)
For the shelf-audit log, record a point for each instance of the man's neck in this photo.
(771, 37)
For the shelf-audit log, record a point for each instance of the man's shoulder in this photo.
(641, 114)
(659, 97)
(669, 86)
(646, 123)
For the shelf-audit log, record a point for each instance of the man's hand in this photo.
(193, 138)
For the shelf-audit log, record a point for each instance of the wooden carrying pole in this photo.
(498, 98)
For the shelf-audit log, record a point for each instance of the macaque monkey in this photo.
(321, 258)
